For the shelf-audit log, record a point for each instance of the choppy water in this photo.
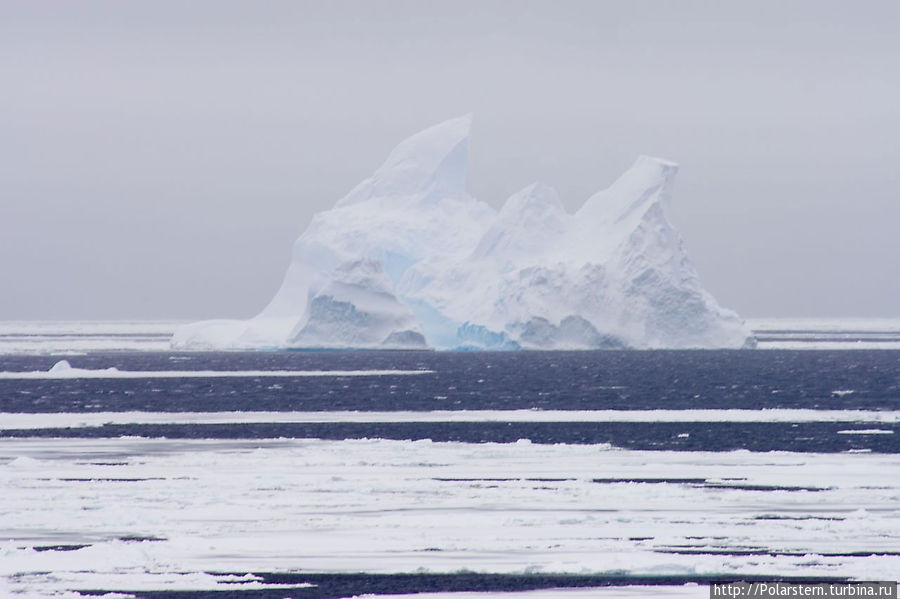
(670, 380)
(470, 381)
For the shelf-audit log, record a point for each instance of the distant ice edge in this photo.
(408, 260)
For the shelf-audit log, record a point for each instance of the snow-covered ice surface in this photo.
(64, 370)
(409, 260)
(156, 514)
(826, 333)
(24, 421)
(76, 337)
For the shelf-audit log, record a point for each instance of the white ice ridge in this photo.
(409, 260)
(23, 421)
(63, 370)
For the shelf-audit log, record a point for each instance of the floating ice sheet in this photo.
(62, 370)
(21, 421)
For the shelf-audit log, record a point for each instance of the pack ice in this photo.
(409, 260)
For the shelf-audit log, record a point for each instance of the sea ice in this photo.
(63, 370)
(160, 514)
(22, 421)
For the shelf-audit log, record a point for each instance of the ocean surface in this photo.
(333, 474)
(559, 381)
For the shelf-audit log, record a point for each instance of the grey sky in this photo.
(157, 159)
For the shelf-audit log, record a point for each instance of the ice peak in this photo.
(432, 161)
(429, 149)
(647, 173)
(654, 160)
(525, 223)
(649, 181)
(655, 172)
(535, 200)
(61, 366)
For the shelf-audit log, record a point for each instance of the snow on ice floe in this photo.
(64, 370)
(77, 337)
(409, 260)
(826, 333)
(24, 421)
(404, 506)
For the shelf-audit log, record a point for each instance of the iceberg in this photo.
(409, 260)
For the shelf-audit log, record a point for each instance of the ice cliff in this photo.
(409, 260)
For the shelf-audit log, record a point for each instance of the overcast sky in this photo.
(157, 159)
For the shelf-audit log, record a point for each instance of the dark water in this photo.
(472, 381)
(335, 586)
(488, 381)
(703, 436)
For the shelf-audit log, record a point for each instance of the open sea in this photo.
(151, 473)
